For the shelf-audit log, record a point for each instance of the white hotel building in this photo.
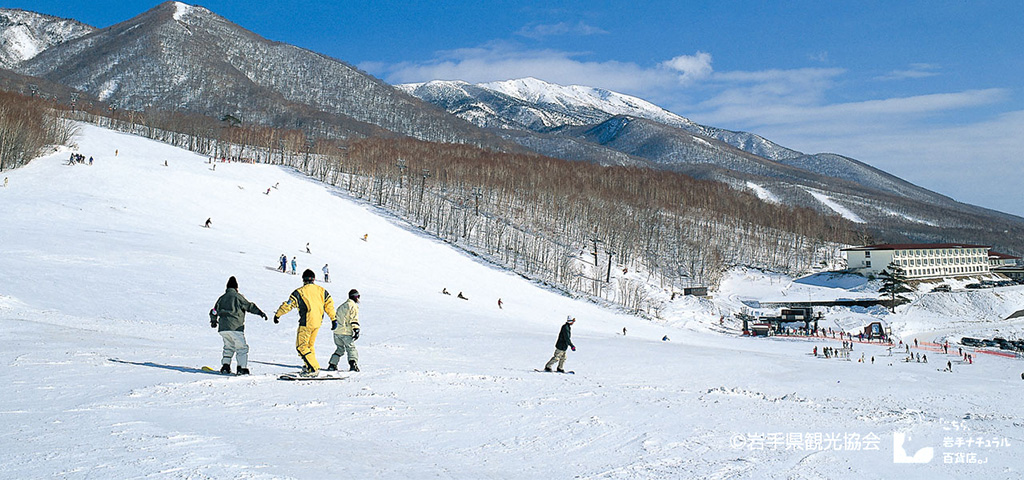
(920, 260)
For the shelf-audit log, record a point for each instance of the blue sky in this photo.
(930, 91)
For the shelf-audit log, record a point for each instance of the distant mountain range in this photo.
(178, 57)
(559, 121)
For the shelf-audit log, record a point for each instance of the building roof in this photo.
(913, 246)
(1001, 256)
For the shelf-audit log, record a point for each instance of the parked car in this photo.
(970, 342)
(941, 288)
(974, 286)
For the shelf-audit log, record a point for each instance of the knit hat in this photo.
(353, 294)
(232, 283)
(308, 276)
(570, 319)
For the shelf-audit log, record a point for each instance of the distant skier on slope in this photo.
(228, 317)
(284, 263)
(294, 265)
(327, 274)
(208, 222)
(313, 302)
(563, 343)
(346, 332)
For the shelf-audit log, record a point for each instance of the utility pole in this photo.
(477, 192)
(608, 276)
(423, 186)
(401, 170)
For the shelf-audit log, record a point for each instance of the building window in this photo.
(867, 254)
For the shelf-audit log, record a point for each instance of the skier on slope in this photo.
(294, 265)
(563, 343)
(346, 332)
(228, 317)
(313, 302)
(327, 274)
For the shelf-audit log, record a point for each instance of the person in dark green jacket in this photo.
(228, 317)
(563, 343)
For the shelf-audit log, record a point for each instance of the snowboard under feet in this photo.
(216, 371)
(568, 372)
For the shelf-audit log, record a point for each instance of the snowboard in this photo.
(294, 377)
(216, 371)
(567, 372)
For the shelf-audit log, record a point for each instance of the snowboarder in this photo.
(307, 247)
(327, 274)
(5, 182)
(949, 366)
(563, 343)
(90, 160)
(115, 152)
(365, 236)
(294, 265)
(267, 192)
(624, 334)
(461, 296)
(228, 317)
(346, 332)
(313, 302)
(444, 290)
(665, 338)
(499, 303)
(208, 222)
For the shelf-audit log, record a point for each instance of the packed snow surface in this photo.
(108, 276)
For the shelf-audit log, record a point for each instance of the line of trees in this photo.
(27, 125)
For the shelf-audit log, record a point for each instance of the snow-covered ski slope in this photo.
(107, 276)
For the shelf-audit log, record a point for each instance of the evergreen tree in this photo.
(894, 282)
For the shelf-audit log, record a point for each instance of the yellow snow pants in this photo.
(305, 342)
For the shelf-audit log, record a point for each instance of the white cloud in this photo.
(692, 67)
(915, 70)
(541, 31)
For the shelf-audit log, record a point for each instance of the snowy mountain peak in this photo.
(533, 90)
(23, 35)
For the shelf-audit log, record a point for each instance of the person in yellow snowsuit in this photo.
(313, 302)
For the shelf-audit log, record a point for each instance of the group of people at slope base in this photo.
(79, 159)
(312, 302)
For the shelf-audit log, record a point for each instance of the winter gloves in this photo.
(334, 324)
(263, 315)
(213, 323)
(573, 348)
(277, 319)
(213, 317)
(355, 334)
